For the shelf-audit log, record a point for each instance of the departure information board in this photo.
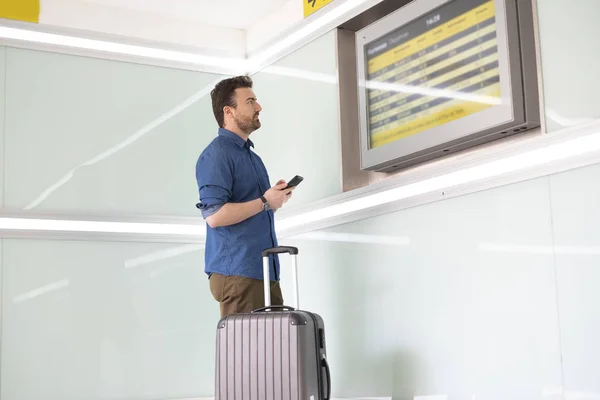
(433, 70)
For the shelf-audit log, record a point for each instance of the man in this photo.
(238, 203)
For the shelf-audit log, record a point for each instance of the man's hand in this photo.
(289, 195)
(284, 183)
(276, 196)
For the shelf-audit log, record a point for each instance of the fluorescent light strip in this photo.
(328, 16)
(432, 397)
(533, 158)
(232, 65)
(30, 224)
(117, 48)
(302, 74)
(344, 237)
(539, 249)
(522, 161)
(173, 252)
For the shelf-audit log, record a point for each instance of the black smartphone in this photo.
(294, 182)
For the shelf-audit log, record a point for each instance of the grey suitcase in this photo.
(273, 353)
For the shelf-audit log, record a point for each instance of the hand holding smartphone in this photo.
(294, 182)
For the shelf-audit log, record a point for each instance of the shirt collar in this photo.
(235, 138)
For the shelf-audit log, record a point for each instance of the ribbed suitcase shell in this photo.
(272, 355)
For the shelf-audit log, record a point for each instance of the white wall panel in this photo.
(93, 320)
(300, 117)
(87, 135)
(570, 61)
(2, 120)
(427, 301)
(576, 219)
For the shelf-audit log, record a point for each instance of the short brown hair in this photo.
(223, 95)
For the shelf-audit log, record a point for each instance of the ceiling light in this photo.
(529, 159)
(328, 15)
(324, 236)
(550, 249)
(31, 224)
(233, 66)
(120, 48)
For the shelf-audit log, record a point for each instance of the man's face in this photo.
(247, 110)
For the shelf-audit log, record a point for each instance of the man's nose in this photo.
(258, 107)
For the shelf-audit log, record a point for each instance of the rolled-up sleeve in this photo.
(214, 176)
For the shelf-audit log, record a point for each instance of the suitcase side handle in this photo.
(293, 251)
(280, 250)
(325, 365)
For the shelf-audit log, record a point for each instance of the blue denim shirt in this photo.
(229, 171)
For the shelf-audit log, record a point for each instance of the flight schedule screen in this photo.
(434, 70)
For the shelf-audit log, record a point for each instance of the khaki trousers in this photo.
(238, 294)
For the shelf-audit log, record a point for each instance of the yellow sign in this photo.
(310, 6)
(21, 10)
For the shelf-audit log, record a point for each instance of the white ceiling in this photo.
(214, 36)
(236, 14)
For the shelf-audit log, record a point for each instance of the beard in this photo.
(248, 125)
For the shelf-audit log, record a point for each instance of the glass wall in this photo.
(89, 135)
(479, 296)
(425, 302)
(570, 61)
(576, 221)
(300, 133)
(100, 320)
(131, 320)
(2, 107)
(487, 296)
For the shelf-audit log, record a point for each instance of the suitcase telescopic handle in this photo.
(280, 250)
(293, 251)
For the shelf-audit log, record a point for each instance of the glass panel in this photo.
(84, 134)
(98, 320)
(2, 122)
(115, 137)
(575, 199)
(435, 301)
(300, 131)
(1, 308)
(570, 61)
